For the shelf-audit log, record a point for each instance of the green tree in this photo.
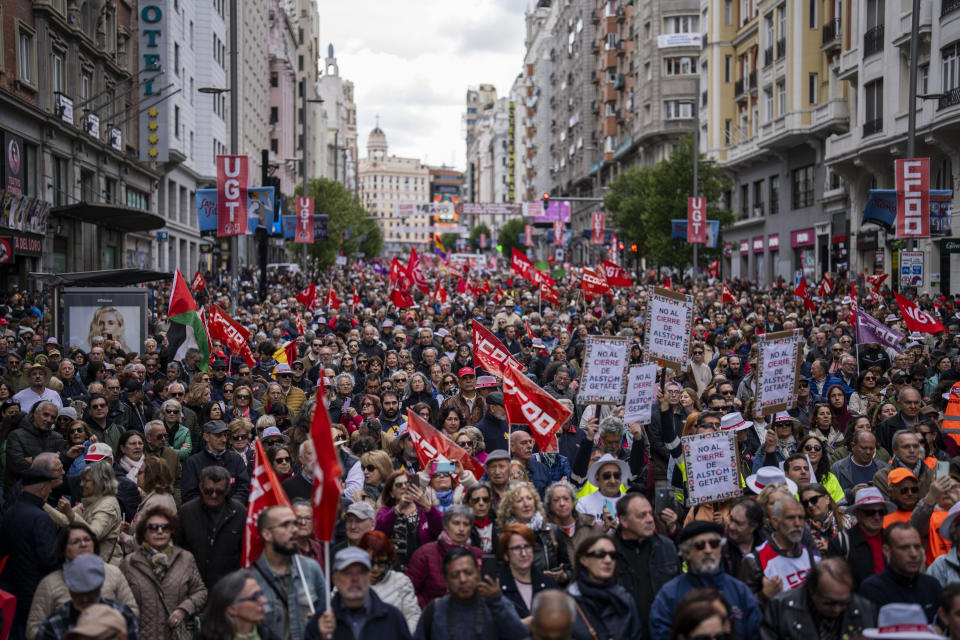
(449, 240)
(510, 236)
(475, 235)
(346, 214)
(643, 200)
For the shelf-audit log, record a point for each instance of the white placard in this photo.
(641, 393)
(668, 324)
(777, 373)
(605, 360)
(711, 463)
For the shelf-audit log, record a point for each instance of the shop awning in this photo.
(112, 216)
(105, 278)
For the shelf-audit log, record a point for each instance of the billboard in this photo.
(259, 202)
(118, 314)
(678, 231)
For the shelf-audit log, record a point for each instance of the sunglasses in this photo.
(254, 597)
(610, 475)
(243, 396)
(283, 460)
(464, 443)
(155, 527)
(239, 437)
(713, 543)
(176, 394)
(370, 468)
(479, 499)
(400, 485)
(169, 412)
(915, 490)
(872, 513)
(213, 492)
(80, 430)
(811, 502)
(599, 555)
(812, 447)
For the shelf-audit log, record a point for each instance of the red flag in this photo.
(826, 287)
(727, 295)
(876, 280)
(401, 299)
(326, 474)
(180, 299)
(541, 277)
(912, 178)
(432, 445)
(332, 300)
(291, 351)
(356, 298)
(549, 293)
(616, 275)
(498, 295)
(304, 231)
(461, 285)
(308, 297)
(526, 403)
(593, 283)
(853, 305)
(714, 269)
(441, 295)
(520, 264)
(489, 353)
(537, 342)
(299, 322)
(801, 292)
(232, 178)
(231, 333)
(415, 271)
(916, 318)
(265, 491)
(199, 284)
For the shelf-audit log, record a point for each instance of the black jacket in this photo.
(382, 622)
(231, 461)
(494, 432)
(27, 536)
(787, 616)
(888, 587)
(852, 546)
(664, 565)
(214, 539)
(508, 587)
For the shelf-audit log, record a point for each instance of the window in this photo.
(781, 97)
(274, 145)
(191, 35)
(801, 187)
(813, 13)
(873, 103)
(176, 121)
(137, 199)
(744, 201)
(176, 58)
(774, 195)
(26, 54)
(60, 183)
(812, 86)
(728, 12)
(680, 66)
(758, 199)
(274, 115)
(727, 68)
(768, 33)
(678, 109)
(275, 80)
(728, 131)
(57, 73)
(923, 79)
(681, 24)
(768, 104)
(86, 82)
(875, 11)
(950, 67)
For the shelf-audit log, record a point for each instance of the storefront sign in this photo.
(773, 242)
(744, 247)
(24, 244)
(804, 238)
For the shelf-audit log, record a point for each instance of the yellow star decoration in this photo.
(152, 126)
(153, 139)
(153, 153)
(152, 112)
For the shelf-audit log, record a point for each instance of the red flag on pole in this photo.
(537, 342)
(853, 305)
(356, 298)
(308, 297)
(826, 287)
(916, 318)
(801, 292)
(198, 283)
(441, 295)
(714, 269)
(265, 491)
(616, 275)
(415, 271)
(326, 475)
(727, 295)
(432, 445)
(332, 300)
(593, 283)
(667, 284)
(520, 264)
(526, 403)
(489, 353)
(549, 293)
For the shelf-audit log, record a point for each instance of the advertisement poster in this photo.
(668, 324)
(777, 372)
(712, 467)
(605, 362)
(259, 203)
(641, 393)
(911, 268)
(115, 314)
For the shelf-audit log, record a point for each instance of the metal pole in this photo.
(303, 257)
(234, 132)
(696, 159)
(912, 89)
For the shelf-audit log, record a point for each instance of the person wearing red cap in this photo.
(471, 405)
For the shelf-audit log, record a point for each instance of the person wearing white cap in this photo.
(903, 621)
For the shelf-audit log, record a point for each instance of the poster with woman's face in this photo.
(120, 315)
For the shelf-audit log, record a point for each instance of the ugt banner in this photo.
(697, 220)
(596, 227)
(913, 197)
(232, 174)
(304, 232)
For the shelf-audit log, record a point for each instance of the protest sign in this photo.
(667, 330)
(712, 467)
(778, 370)
(605, 362)
(641, 393)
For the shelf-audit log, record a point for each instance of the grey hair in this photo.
(778, 506)
(552, 600)
(45, 461)
(103, 478)
(154, 423)
(901, 432)
(559, 484)
(266, 421)
(612, 424)
(343, 376)
(215, 473)
(477, 436)
(408, 388)
(455, 510)
(303, 446)
(171, 403)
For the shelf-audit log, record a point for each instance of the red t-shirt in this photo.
(876, 545)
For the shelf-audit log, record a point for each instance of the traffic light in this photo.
(633, 248)
(546, 201)
(621, 246)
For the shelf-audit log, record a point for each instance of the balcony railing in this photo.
(949, 99)
(768, 56)
(832, 32)
(873, 40)
(781, 48)
(948, 6)
(738, 87)
(871, 127)
(753, 79)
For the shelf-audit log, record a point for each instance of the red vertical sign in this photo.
(913, 197)
(557, 233)
(232, 173)
(528, 235)
(304, 233)
(697, 220)
(596, 227)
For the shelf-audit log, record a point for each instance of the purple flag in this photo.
(379, 268)
(869, 329)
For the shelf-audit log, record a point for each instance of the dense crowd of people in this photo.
(127, 471)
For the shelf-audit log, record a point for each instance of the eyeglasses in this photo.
(283, 460)
(98, 406)
(253, 597)
(366, 404)
(727, 393)
(400, 485)
(869, 378)
(915, 490)
(479, 499)
(812, 447)
(176, 394)
(464, 443)
(169, 412)
(599, 555)
(811, 502)
(157, 527)
(83, 540)
(713, 543)
(610, 475)
(239, 437)
(520, 548)
(698, 353)
(243, 396)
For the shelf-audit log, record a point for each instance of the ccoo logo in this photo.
(537, 417)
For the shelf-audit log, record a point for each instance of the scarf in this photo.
(448, 541)
(604, 601)
(159, 559)
(900, 463)
(480, 523)
(132, 467)
(536, 523)
(445, 498)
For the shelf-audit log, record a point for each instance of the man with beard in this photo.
(782, 562)
(288, 580)
(390, 418)
(700, 544)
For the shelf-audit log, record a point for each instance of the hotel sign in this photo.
(154, 129)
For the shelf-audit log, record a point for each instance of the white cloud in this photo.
(411, 62)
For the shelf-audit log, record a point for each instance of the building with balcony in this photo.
(772, 98)
(874, 63)
(338, 155)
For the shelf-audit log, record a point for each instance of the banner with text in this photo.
(667, 327)
(777, 372)
(489, 353)
(232, 180)
(697, 220)
(912, 178)
(605, 361)
(526, 403)
(712, 467)
(597, 219)
(641, 393)
(304, 232)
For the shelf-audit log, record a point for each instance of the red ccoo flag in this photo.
(432, 445)
(326, 475)
(727, 295)
(801, 292)
(198, 284)
(826, 287)
(916, 318)
(593, 283)
(265, 491)
(526, 403)
(308, 297)
(332, 300)
(489, 353)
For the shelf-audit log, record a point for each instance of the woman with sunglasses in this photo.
(240, 439)
(236, 609)
(824, 518)
(604, 608)
(178, 435)
(377, 467)
(163, 577)
(77, 433)
(407, 516)
(814, 447)
(470, 439)
(867, 393)
(242, 406)
(282, 461)
(392, 587)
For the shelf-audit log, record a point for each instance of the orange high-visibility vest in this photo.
(936, 544)
(950, 426)
(896, 516)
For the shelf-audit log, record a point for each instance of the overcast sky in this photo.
(411, 62)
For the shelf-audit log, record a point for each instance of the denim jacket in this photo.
(297, 607)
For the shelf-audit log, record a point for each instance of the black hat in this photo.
(526, 342)
(36, 476)
(696, 528)
(495, 398)
(215, 426)
(219, 363)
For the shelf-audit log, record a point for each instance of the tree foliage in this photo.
(510, 236)
(449, 240)
(350, 227)
(475, 235)
(643, 200)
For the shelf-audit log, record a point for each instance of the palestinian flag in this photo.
(186, 326)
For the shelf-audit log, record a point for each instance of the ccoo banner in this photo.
(913, 197)
(304, 233)
(232, 172)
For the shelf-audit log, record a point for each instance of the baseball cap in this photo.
(361, 510)
(84, 573)
(466, 371)
(900, 474)
(350, 555)
(215, 426)
(98, 451)
(51, 340)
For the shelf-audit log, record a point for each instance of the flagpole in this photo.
(306, 587)
(326, 573)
